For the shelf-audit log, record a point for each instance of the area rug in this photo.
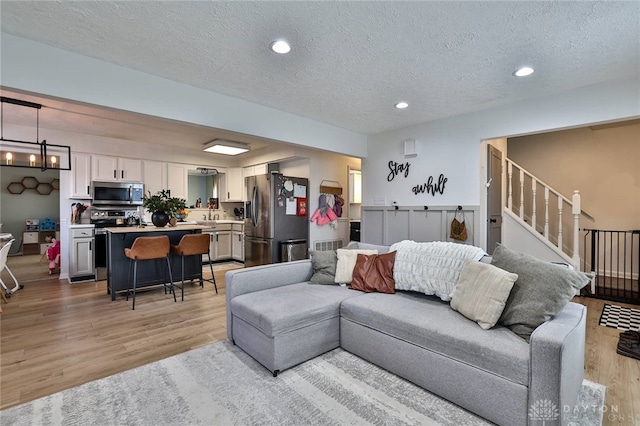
(620, 317)
(219, 384)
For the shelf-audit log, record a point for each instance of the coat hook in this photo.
(426, 207)
(459, 207)
(396, 207)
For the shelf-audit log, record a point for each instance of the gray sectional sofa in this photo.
(279, 318)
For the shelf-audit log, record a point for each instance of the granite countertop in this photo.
(151, 228)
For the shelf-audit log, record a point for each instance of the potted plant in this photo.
(162, 207)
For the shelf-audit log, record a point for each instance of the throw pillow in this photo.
(366, 246)
(353, 245)
(374, 273)
(481, 292)
(324, 266)
(346, 261)
(431, 267)
(540, 292)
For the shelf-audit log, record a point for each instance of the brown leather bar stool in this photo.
(194, 245)
(148, 248)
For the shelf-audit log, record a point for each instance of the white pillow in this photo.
(346, 262)
(482, 292)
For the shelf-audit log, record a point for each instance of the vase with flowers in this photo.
(162, 207)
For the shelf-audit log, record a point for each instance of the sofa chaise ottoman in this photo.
(281, 319)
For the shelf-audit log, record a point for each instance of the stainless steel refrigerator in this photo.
(276, 225)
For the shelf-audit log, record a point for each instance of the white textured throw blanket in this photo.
(431, 268)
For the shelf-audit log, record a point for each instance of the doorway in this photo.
(30, 212)
(494, 197)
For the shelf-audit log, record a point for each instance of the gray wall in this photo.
(16, 208)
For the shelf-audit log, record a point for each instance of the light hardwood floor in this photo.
(56, 336)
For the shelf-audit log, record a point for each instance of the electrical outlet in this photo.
(379, 201)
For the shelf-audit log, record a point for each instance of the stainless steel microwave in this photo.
(117, 193)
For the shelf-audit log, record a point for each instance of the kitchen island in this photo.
(150, 273)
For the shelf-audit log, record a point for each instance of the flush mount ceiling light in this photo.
(523, 72)
(402, 105)
(281, 47)
(225, 147)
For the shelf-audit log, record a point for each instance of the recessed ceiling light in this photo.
(523, 72)
(281, 47)
(402, 105)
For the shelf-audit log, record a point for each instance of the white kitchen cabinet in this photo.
(219, 243)
(237, 243)
(209, 232)
(130, 169)
(111, 169)
(234, 185)
(81, 176)
(82, 258)
(259, 169)
(222, 245)
(154, 176)
(177, 180)
(104, 168)
(81, 264)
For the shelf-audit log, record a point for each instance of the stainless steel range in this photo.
(108, 217)
(105, 217)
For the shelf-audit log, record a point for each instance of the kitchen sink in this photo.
(206, 222)
(187, 222)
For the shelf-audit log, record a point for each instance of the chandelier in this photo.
(39, 155)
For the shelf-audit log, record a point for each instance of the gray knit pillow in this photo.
(324, 266)
(540, 292)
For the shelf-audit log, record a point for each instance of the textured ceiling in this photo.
(352, 61)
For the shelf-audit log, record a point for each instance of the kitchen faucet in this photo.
(209, 214)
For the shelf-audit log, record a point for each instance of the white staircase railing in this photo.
(554, 227)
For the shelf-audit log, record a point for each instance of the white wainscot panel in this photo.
(388, 224)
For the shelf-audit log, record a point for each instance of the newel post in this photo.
(576, 210)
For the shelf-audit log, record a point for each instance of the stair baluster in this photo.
(560, 201)
(546, 212)
(510, 197)
(521, 194)
(534, 191)
(533, 210)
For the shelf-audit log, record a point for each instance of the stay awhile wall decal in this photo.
(430, 187)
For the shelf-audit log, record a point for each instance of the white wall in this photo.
(521, 238)
(42, 69)
(453, 146)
